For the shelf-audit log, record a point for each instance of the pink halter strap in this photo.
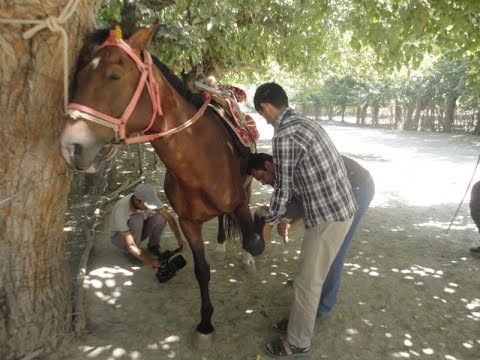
(119, 125)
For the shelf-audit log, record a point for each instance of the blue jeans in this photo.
(363, 196)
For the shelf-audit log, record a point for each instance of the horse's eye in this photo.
(113, 77)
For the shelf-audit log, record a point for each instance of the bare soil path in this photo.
(410, 291)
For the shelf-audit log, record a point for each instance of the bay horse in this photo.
(121, 96)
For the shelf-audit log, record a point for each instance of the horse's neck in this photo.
(177, 151)
(176, 109)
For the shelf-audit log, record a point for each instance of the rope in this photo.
(33, 185)
(54, 24)
(463, 198)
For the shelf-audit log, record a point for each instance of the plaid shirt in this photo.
(308, 165)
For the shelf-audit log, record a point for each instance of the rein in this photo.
(119, 125)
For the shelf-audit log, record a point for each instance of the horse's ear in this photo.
(142, 38)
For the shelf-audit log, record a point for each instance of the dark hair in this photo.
(178, 84)
(270, 93)
(257, 162)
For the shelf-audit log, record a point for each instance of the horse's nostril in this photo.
(75, 150)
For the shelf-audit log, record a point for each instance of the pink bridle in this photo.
(147, 78)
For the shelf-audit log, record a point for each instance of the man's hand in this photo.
(154, 263)
(283, 228)
(267, 232)
(149, 212)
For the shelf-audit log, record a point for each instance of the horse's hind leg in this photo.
(193, 233)
(252, 242)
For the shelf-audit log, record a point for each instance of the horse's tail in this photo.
(231, 227)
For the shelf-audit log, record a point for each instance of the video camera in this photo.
(170, 264)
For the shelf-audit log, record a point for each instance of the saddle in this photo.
(224, 102)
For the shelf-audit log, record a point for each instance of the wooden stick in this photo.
(32, 355)
(106, 199)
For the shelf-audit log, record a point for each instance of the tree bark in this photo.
(35, 289)
(398, 116)
(317, 109)
(330, 113)
(451, 105)
(342, 110)
(408, 124)
(363, 114)
(129, 18)
(375, 112)
(414, 125)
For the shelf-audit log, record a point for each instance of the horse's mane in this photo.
(178, 84)
(99, 36)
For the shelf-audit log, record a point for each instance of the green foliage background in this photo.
(339, 52)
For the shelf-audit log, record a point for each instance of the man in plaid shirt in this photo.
(308, 166)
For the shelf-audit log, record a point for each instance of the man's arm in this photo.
(286, 153)
(135, 251)
(173, 225)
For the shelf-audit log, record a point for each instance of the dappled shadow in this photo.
(406, 286)
(409, 289)
(410, 299)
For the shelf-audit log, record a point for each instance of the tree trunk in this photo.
(398, 116)
(35, 289)
(375, 112)
(414, 125)
(448, 121)
(317, 109)
(129, 18)
(423, 121)
(408, 124)
(330, 113)
(358, 115)
(363, 114)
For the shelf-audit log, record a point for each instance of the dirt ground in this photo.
(409, 290)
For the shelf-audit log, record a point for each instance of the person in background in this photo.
(307, 165)
(475, 212)
(133, 220)
(261, 167)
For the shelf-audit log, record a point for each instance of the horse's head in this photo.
(113, 96)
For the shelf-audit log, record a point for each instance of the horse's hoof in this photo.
(250, 268)
(249, 263)
(202, 341)
(255, 245)
(219, 253)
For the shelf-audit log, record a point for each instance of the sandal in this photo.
(282, 348)
(281, 326)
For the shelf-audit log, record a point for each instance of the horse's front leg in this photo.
(193, 232)
(252, 242)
